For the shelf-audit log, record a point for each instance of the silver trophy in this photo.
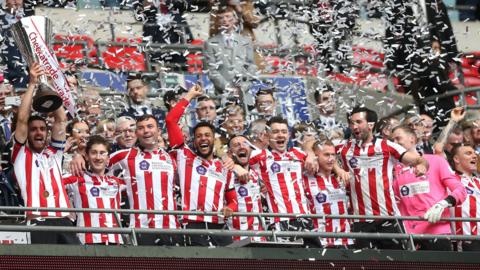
(45, 99)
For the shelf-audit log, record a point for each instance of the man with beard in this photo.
(204, 180)
(247, 187)
(149, 173)
(370, 161)
(281, 170)
(37, 167)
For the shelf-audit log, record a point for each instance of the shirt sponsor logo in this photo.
(242, 191)
(275, 167)
(95, 191)
(144, 165)
(201, 170)
(353, 162)
(321, 197)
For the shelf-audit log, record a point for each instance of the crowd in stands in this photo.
(237, 154)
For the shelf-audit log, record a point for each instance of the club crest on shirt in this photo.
(469, 190)
(201, 170)
(144, 165)
(275, 167)
(321, 197)
(242, 191)
(404, 190)
(353, 162)
(95, 191)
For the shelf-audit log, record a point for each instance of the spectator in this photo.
(230, 57)
(42, 186)
(96, 190)
(371, 160)
(327, 195)
(265, 104)
(164, 22)
(137, 102)
(385, 126)
(429, 195)
(206, 110)
(199, 170)
(464, 161)
(10, 56)
(106, 128)
(425, 143)
(76, 143)
(304, 134)
(327, 122)
(124, 133)
(258, 134)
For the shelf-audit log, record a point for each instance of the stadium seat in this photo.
(194, 60)
(124, 57)
(67, 48)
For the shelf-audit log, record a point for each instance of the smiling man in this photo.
(205, 183)
(149, 173)
(37, 166)
(370, 162)
(247, 190)
(96, 190)
(281, 170)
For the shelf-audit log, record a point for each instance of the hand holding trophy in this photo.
(33, 37)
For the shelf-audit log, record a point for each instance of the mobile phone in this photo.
(13, 101)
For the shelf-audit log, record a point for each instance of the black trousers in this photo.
(299, 225)
(149, 239)
(471, 245)
(379, 226)
(53, 237)
(434, 244)
(207, 240)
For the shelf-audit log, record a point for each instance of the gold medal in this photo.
(45, 194)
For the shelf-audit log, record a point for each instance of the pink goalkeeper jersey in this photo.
(416, 195)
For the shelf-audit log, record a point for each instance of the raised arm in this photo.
(457, 115)
(175, 135)
(21, 130)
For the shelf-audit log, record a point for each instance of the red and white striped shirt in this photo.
(371, 189)
(249, 200)
(98, 192)
(282, 175)
(470, 207)
(327, 196)
(150, 180)
(204, 185)
(39, 176)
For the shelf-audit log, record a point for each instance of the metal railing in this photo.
(261, 233)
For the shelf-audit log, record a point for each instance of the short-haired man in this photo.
(464, 161)
(429, 195)
(265, 103)
(37, 167)
(138, 103)
(327, 195)
(230, 56)
(124, 133)
(281, 170)
(370, 162)
(96, 190)
(247, 191)
(206, 109)
(149, 173)
(205, 184)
